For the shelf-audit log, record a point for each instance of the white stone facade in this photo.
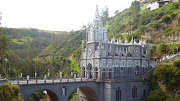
(103, 59)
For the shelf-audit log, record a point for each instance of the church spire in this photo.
(97, 11)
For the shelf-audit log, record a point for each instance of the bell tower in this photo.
(96, 30)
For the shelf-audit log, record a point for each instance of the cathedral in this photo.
(103, 59)
(116, 66)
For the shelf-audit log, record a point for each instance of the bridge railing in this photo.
(41, 80)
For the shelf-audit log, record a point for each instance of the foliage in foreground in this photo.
(169, 73)
(73, 96)
(36, 96)
(158, 51)
(9, 92)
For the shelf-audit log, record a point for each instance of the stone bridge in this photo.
(88, 89)
(61, 90)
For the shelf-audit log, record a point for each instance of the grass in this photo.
(22, 40)
(73, 96)
(74, 64)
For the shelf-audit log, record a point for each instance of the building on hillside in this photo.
(155, 5)
(175, 0)
(103, 59)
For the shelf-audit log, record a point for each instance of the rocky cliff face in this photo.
(166, 32)
(174, 92)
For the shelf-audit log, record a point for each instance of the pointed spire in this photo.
(97, 11)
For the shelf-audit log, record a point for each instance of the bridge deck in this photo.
(50, 81)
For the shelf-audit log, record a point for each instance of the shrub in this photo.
(167, 30)
(156, 25)
(177, 63)
(175, 5)
(156, 95)
(9, 92)
(173, 99)
(166, 19)
(142, 28)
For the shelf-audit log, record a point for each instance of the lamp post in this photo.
(9, 71)
(5, 65)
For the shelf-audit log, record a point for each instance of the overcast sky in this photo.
(57, 15)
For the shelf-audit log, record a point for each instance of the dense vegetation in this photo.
(160, 50)
(36, 96)
(29, 42)
(9, 92)
(21, 46)
(168, 75)
(62, 56)
(3, 55)
(145, 21)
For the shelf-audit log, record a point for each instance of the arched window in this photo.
(134, 92)
(118, 94)
(144, 93)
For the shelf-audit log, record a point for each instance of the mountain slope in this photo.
(29, 42)
(60, 55)
(157, 25)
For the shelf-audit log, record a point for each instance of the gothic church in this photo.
(103, 59)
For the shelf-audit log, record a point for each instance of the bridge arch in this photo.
(86, 91)
(56, 88)
(51, 95)
(27, 90)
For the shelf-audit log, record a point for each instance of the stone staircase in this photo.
(148, 72)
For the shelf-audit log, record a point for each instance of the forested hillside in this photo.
(21, 46)
(29, 42)
(159, 25)
(62, 55)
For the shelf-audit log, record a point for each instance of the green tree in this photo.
(156, 95)
(10, 92)
(3, 49)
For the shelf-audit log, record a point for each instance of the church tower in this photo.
(114, 65)
(103, 59)
(96, 29)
